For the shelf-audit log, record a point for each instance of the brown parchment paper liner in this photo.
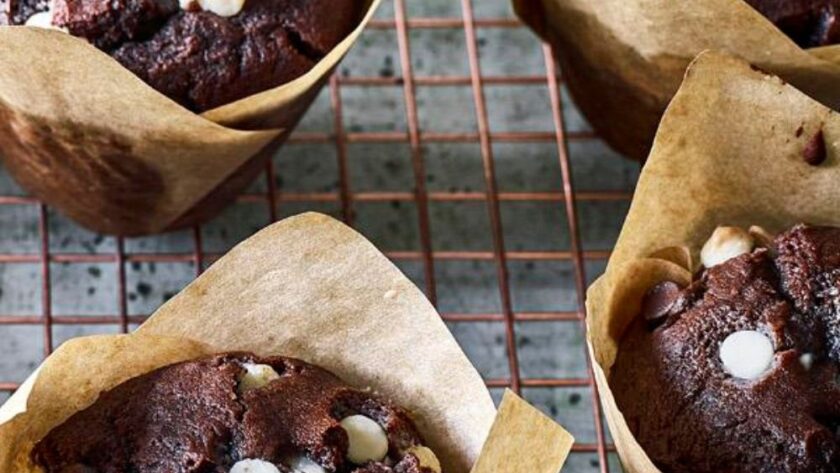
(91, 139)
(312, 288)
(623, 60)
(728, 152)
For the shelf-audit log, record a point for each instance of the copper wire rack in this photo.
(45, 258)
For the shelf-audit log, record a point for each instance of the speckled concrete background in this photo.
(546, 349)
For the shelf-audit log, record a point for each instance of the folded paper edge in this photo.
(523, 439)
(17, 404)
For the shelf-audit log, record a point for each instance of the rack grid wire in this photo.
(346, 199)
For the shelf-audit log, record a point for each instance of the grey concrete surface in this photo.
(545, 349)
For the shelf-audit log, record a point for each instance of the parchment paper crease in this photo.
(312, 288)
(91, 139)
(729, 151)
(623, 60)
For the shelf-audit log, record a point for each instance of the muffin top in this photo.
(739, 371)
(809, 23)
(237, 413)
(201, 53)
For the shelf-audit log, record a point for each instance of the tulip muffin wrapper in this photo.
(90, 138)
(623, 60)
(307, 287)
(730, 151)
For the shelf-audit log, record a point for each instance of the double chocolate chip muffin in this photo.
(201, 53)
(237, 413)
(809, 23)
(740, 371)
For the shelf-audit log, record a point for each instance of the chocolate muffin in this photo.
(237, 413)
(809, 23)
(201, 53)
(740, 371)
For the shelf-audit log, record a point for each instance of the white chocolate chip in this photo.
(724, 244)
(222, 7)
(40, 20)
(219, 7)
(44, 19)
(807, 360)
(305, 465)
(368, 441)
(426, 457)
(254, 466)
(746, 354)
(256, 376)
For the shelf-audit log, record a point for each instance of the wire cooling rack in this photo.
(447, 138)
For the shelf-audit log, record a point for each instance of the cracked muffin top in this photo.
(738, 372)
(809, 23)
(237, 413)
(201, 53)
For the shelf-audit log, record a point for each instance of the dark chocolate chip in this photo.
(815, 152)
(659, 300)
